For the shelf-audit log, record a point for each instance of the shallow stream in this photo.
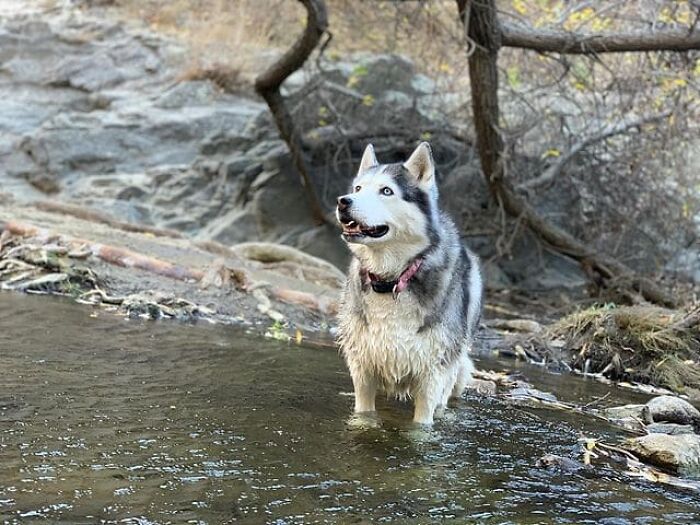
(106, 420)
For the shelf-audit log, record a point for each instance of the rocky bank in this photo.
(99, 114)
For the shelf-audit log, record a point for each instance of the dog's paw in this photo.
(443, 415)
(421, 433)
(364, 421)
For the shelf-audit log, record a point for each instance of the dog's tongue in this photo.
(407, 275)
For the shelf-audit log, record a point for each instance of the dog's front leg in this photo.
(365, 393)
(426, 401)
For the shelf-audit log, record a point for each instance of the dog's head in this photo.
(390, 202)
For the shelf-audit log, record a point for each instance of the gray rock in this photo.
(423, 85)
(398, 100)
(237, 165)
(482, 387)
(194, 93)
(235, 226)
(628, 423)
(677, 453)
(552, 461)
(537, 271)
(101, 142)
(325, 242)
(686, 264)
(669, 428)
(91, 73)
(279, 204)
(638, 412)
(494, 277)
(671, 409)
(225, 143)
(379, 73)
(526, 392)
(438, 106)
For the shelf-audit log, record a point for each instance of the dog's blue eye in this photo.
(387, 191)
(358, 188)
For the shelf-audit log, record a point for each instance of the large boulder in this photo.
(677, 453)
(672, 409)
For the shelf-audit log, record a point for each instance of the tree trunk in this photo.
(268, 87)
(479, 17)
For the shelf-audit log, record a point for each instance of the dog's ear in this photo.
(369, 159)
(420, 164)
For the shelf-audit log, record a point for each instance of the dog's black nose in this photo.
(344, 203)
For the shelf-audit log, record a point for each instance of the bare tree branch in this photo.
(554, 170)
(552, 41)
(483, 30)
(268, 87)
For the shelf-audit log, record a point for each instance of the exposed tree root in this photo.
(218, 275)
(289, 260)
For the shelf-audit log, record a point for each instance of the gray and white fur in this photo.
(415, 343)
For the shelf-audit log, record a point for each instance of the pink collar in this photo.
(397, 286)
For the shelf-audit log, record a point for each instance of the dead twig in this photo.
(553, 171)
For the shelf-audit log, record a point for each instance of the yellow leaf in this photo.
(444, 67)
(298, 336)
(519, 6)
(553, 152)
(368, 100)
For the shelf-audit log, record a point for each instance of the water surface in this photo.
(106, 420)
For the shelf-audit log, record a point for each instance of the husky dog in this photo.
(412, 300)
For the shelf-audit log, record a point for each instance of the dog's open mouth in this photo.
(356, 229)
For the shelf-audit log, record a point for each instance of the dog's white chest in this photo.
(389, 342)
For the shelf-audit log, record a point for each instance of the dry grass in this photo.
(246, 34)
(222, 76)
(233, 35)
(638, 343)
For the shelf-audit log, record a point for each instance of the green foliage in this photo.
(278, 332)
(513, 76)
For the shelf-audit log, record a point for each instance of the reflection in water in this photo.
(107, 420)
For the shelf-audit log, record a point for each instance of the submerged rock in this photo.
(669, 428)
(677, 453)
(525, 392)
(482, 387)
(671, 409)
(638, 412)
(552, 461)
(632, 424)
